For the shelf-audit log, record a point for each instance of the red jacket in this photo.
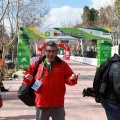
(52, 91)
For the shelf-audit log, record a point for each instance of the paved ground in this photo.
(77, 107)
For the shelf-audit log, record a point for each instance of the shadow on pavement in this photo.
(22, 117)
(10, 96)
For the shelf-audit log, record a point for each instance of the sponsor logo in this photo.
(55, 33)
(47, 33)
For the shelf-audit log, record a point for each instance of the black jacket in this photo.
(113, 86)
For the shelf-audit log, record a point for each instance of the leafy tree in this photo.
(86, 16)
(89, 17)
(93, 17)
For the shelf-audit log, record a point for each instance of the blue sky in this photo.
(63, 12)
(71, 3)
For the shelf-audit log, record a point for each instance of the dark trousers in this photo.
(1, 76)
(112, 111)
(57, 113)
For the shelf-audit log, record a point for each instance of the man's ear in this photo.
(119, 49)
(57, 51)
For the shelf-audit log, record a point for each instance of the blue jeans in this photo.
(112, 110)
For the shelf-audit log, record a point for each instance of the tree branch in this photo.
(5, 11)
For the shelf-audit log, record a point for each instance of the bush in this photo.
(10, 65)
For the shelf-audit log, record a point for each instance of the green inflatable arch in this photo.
(102, 35)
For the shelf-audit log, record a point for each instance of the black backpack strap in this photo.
(36, 67)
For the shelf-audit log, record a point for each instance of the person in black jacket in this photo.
(111, 100)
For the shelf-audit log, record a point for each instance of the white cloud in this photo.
(64, 14)
(7, 25)
(97, 4)
(68, 14)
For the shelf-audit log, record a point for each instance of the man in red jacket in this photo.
(49, 84)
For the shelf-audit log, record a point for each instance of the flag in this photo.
(78, 45)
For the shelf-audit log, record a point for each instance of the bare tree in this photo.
(8, 2)
(67, 24)
(27, 13)
(23, 13)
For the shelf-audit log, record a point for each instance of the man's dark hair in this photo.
(51, 43)
(119, 49)
(0, 51)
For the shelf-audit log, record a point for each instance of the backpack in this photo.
(101, 78)
(26, 93)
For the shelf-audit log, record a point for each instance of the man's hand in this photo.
(28, 76)
(74, 76)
